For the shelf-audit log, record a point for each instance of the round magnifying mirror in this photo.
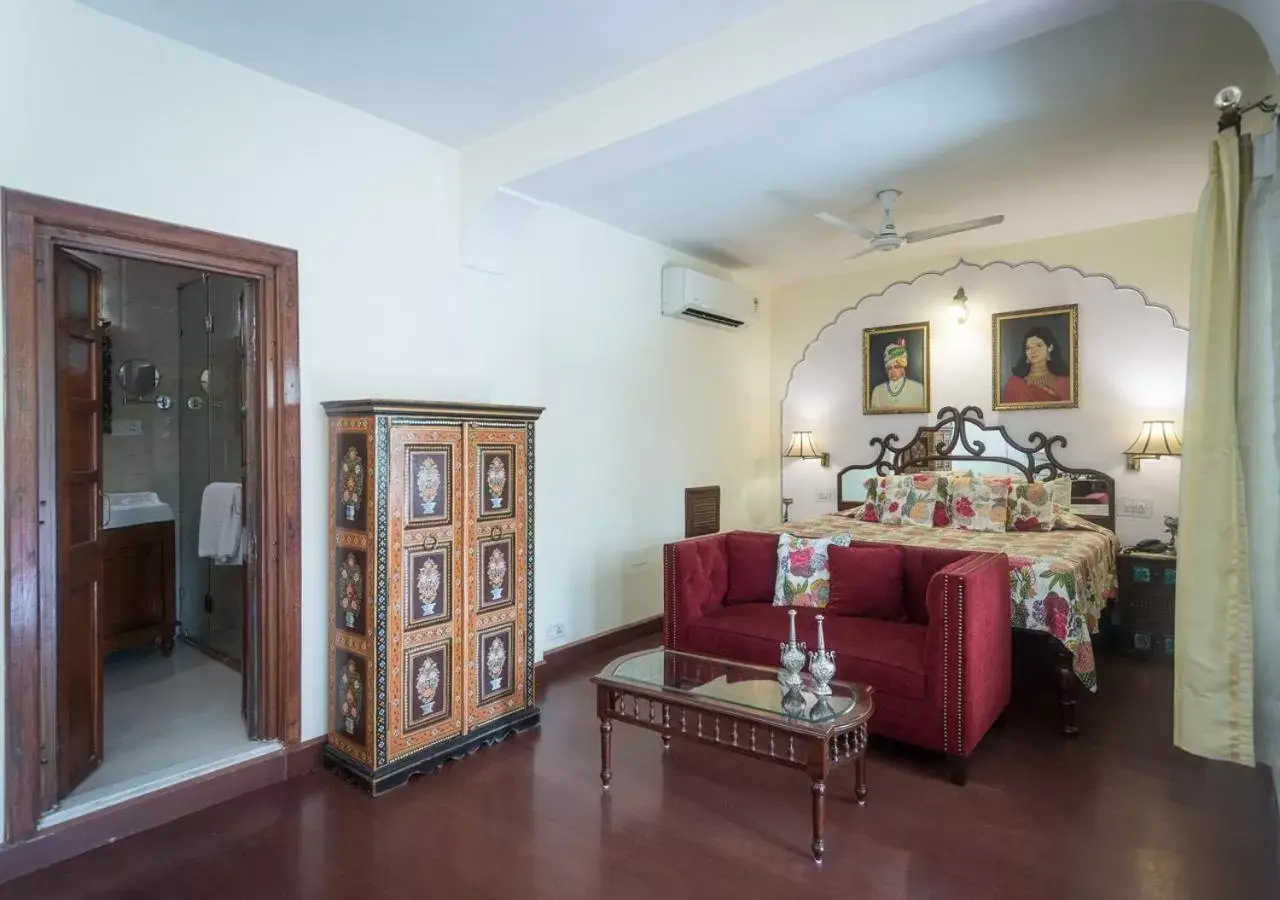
(138, 377)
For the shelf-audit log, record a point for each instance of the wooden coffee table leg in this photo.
(819, 815)
(606, 752)
(860, 766)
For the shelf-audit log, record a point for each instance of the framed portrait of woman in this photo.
(895, 369)
(1035, 359)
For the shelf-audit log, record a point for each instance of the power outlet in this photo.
(555, 632)
(825, 496)
(1135, 509)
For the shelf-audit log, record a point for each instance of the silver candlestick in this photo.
(822, 665)
(793, 655)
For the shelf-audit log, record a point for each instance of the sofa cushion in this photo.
(889, 656)
(803, 578)
(918, 566)
(867, 581)
(753, 566)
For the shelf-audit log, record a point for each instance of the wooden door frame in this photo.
(29, 645)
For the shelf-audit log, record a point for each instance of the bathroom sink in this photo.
(121, 510)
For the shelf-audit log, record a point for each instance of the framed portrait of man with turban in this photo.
(895, 369)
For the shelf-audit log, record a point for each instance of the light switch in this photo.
(1137, 509)
(126, 426)
(825, 496)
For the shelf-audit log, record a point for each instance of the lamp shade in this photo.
(1157, 438)
(802, 447)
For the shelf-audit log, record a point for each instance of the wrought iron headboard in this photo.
(940, 442)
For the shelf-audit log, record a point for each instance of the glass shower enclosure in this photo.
(211, 596)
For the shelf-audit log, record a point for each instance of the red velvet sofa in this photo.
(941, 678)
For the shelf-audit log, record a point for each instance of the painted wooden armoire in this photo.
(430, 584)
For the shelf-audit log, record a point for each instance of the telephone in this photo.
(1151, 545)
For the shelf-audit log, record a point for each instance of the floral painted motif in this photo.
(351, 474)
(426, 685)
(1073, 565)
(804, 578)
(350, 697)
(350, 589)
(495, 663)
(495, 478)
(496, 571)
(428, 587)
(428, 481)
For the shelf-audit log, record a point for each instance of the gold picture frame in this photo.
(878, 394)
(1015, 383)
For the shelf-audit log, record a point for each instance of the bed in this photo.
(1061, 579)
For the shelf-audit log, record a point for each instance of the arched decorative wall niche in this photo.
(1132, 358)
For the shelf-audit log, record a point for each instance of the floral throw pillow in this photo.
(804, 576)
(922, 500)
(894, 493)
(1060, 490)
(978, 505)
(869, 511)
(1031, 507)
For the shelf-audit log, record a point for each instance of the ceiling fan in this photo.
(888, 238)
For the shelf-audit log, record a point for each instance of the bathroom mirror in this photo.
(138, 377)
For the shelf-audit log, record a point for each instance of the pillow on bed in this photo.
(892, 496)
(977, 505)
(922, 499)
(1060, 490)
(804, 576)
(1031, 507)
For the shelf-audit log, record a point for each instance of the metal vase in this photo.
(822, 665)
(793, 655)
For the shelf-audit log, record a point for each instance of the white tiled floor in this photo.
(163, 720)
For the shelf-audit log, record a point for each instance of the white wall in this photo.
(1132, 367)
(639, 407)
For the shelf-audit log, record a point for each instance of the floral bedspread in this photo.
(1061, 579)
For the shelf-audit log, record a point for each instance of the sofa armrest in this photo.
(970, 647)
(695, 577)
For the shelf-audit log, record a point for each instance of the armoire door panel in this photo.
(497, 571)
(424, 634)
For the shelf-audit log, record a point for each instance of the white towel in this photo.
(222, 522)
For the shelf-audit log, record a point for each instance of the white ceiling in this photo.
(453, 70)
(1100, 123)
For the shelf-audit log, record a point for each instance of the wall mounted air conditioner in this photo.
(695, 297)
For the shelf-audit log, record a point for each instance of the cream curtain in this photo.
(1259, 412)
(1213, 665)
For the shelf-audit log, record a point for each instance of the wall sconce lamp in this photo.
(802, 447)
(959, 308)
(1156, 439)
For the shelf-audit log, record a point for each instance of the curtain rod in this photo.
(1230, 112)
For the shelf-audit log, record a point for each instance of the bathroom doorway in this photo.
(75, 406)
(172, 600)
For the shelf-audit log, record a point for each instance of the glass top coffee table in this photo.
(738, 707)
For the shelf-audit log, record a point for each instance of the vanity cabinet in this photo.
(430, 584)
(137, 607)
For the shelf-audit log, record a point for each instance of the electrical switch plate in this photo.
(825, 496)
(126, 426)
(1136, 509)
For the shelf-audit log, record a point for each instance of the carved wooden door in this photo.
(424, 651)
(496, 570)
(78, 388)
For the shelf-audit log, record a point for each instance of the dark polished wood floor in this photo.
(1117, 814)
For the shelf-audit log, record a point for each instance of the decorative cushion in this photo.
(1060, 490)
(922, 497)
(979, 505)
(753, 566)
(869, 511)
(803, 577)
(1031, 507)
(893, 496)
(867, 581)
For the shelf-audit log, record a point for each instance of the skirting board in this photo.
(561, 659)
(113, 823)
